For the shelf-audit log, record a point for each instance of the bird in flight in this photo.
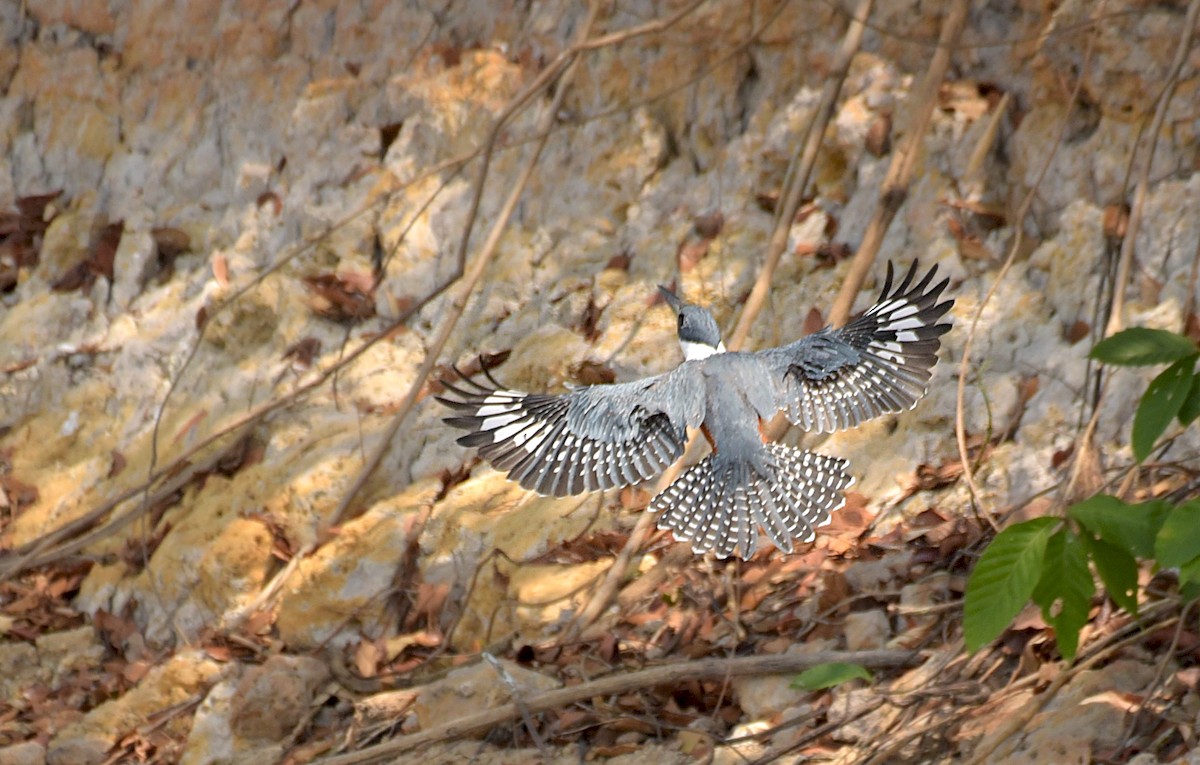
(607, 436)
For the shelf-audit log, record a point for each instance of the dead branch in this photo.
(1020, 720)
(799, 172)
(667, 674)
(960, 428)
(904, 162)
(1125, 264)
(487, 252)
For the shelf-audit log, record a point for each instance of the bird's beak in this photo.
(675, 303)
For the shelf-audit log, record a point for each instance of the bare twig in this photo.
(487, 252)
(799, 172)
(904, 162)
(987, 752)
(668, 674)
(960, 428)
(1125, 264)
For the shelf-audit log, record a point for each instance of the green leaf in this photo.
(1117, 569)
(830, 674)
(1140, 347)
(1161, 402)
(1003, 579)
(1065, 589)
(1178, 540)
(1190, 409)
(1129, 527)
(1189, 573)
(1189, 591)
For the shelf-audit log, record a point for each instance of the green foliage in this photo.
(1190, 409)
(1161, 403)
(1141, 347)
(1178, 543)
(1117, 569)
(830, 674)
(1130, 527)
(1065, 589)
(1004, 578)
(1051, 560)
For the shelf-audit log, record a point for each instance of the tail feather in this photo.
(716, 505)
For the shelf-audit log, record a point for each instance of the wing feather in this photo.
(597, 437)
(881, 362)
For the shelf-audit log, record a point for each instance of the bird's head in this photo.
(699, 335)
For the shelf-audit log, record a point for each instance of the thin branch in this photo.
(1125, 264)
(904, 162)
(487, 252)
(960, 427)
(987, 752)
(800, 171)
(667, 674)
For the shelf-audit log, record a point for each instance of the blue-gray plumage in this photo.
(606, 436)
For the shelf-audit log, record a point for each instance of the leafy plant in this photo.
(1175, 393)
(1051, 560)
(830, 674)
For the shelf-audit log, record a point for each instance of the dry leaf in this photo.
(708, 225)
(367, 657)
(346, 298)
(879, 136)
(220, 269)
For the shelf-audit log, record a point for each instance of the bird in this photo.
(615, 435)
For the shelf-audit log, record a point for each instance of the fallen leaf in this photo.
(691, 251)
(878, 141)
(1116, 221)
(367, 657)
(117, 464)
(345, 298)
(708, 225)
(220, 269)
(589, 372)
(303, 352)
(272, 199)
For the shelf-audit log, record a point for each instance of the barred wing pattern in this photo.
(881, 362)
(591, 438)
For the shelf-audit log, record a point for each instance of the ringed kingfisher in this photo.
(606, 436)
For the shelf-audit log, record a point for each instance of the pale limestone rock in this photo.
(28, 753)
(211, 739)
(18, 667)
(273, 697)
(173, 682)
(867, 630)
(876, 575)
(136, 260)
(343, 588)
(547, 597)
(65, 244)
(63, 653)
(849, 703)
(1129, 58)
(915, 614)
(762, 697)
(474, 688)
(1088, 714)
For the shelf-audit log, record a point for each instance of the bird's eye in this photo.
(681, 321)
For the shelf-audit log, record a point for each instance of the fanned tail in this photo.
(717, 503)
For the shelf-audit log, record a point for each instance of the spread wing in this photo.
(880, 362)
(590, 438)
